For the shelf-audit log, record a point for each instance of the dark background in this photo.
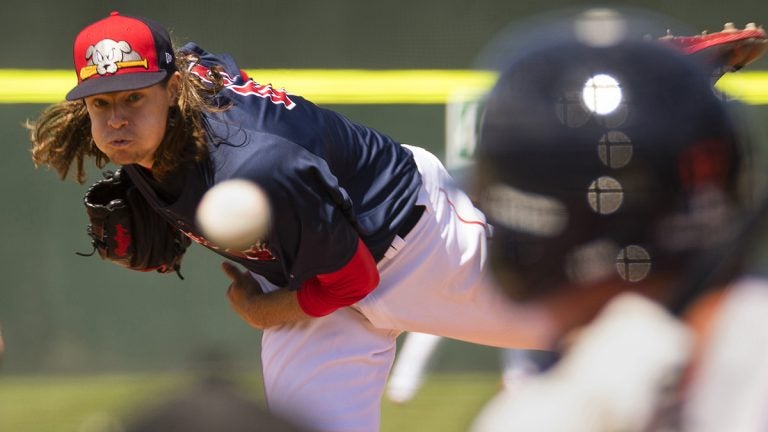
(64, 313)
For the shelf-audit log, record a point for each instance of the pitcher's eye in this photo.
(98, 103)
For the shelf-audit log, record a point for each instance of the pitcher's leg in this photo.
(328, 373)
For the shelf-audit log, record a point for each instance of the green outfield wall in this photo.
(61, 312)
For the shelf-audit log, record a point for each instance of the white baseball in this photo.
(234, 214)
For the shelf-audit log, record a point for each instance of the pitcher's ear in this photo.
(174, 88)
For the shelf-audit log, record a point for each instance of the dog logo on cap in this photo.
(108, 56)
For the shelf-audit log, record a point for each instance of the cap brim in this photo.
(115, 83)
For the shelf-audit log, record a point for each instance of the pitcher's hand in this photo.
(260, 310)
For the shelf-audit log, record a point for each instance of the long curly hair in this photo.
(61, 135)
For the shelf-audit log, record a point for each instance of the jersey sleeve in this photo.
(324, 293)
(312, 232)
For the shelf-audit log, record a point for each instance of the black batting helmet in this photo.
(604, 158)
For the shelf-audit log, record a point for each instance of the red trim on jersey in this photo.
(324, 293)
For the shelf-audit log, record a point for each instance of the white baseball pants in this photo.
(330, 372)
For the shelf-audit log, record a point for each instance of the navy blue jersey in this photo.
(330, 181)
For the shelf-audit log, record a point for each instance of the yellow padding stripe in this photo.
(750, 87)
(346, 86)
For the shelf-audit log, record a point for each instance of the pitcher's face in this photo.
(128, 126)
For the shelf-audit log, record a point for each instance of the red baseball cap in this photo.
(121, 53)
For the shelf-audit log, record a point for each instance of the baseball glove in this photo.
(126, 230)
(725, 51)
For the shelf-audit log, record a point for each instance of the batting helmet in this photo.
(604, 158)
